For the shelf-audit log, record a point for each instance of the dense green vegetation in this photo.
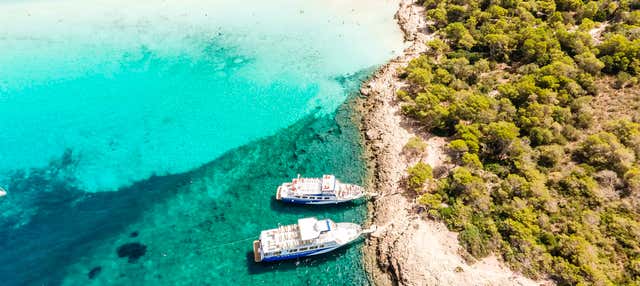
(535, 179)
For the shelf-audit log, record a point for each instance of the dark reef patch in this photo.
(133, 251)
(70, 220)
(94, 272)
(76, 222)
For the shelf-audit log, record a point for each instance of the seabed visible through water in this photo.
(143, 146)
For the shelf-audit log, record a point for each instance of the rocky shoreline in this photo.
(408, 249)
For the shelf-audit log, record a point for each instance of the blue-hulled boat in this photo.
(308, 237)
(318, 191)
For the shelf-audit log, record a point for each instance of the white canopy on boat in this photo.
(311, 228)
(307, 228)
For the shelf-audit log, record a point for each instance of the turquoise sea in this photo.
(166, 125)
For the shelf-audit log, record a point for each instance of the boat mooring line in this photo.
(231, 242)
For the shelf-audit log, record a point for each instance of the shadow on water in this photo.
(46, 223)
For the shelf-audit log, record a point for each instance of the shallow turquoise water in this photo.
(135, 91)
(193, 234)
(170, 124)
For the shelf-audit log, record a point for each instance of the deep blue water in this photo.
(192, 237)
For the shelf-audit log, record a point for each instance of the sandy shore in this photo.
(408, 249)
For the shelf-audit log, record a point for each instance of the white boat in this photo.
(308, 237)
(2, 192)
(318, 191)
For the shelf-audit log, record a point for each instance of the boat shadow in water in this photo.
(46, 208)
(255, 268)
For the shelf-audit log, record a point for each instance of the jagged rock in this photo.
(372, 134)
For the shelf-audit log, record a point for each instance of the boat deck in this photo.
(306, 185)
(324, 187)
(288, 237)
(349, 191)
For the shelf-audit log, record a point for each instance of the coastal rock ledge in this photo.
(408, 249)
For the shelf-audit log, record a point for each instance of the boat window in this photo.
(304, 197)
(313, 247)
(325, 198)
(303, 249)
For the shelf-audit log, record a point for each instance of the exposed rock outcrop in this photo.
(407, 249)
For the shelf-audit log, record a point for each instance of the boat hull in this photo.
(318, 191)
(299, 255)
(345, 233)
(314, 202)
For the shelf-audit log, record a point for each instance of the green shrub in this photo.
(604, 151)
(415, 146)
(628, 133)
(433, 201)
(403, 95)
(459, 36)
(499, 135)
(497, 169)
(419, 70)
(589, 63)
(540, 136)
(624, 79)
(505, 77)
(471, 160)
(472, 240)
(550, 155)
(470, 134)
(437, 47)
(577, 183)
(438, 16)
(458, 147)
(418, 176)
(632, 180)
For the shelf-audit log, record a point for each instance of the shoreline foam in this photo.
(408, 250)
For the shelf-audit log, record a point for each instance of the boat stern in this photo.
(279, 193)
(257, 256)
